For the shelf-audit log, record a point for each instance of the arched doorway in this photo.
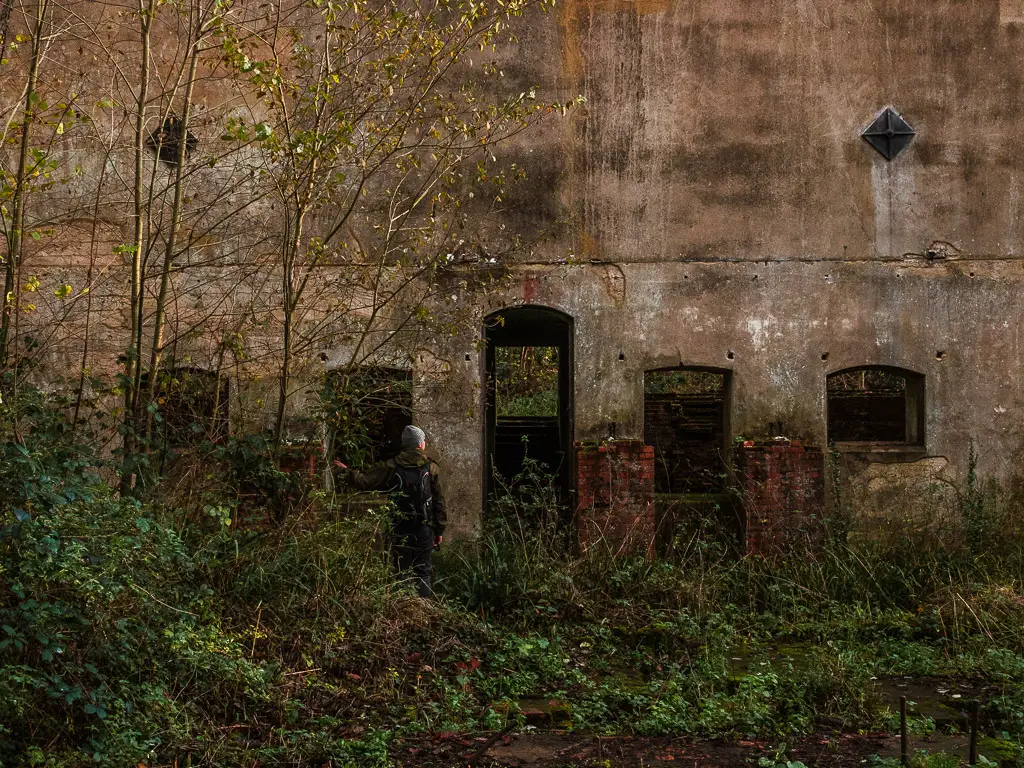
(529, 391)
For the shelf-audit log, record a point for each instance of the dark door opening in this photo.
(685, 412)
(367, 408)
(529, 395)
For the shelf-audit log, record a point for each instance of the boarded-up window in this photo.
(685, 422)
(876, 405)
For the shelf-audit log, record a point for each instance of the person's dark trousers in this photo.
(412, 545)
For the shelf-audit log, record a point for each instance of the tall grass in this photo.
(526, 569)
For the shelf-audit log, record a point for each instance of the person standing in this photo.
(417, 527)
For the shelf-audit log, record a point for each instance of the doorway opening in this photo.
(529, 413)
(685, 420)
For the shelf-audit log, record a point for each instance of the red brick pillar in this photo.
(615, 496)
(782, 484)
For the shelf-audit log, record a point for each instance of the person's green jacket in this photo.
(381, 477)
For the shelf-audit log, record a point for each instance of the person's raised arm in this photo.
(377, 478)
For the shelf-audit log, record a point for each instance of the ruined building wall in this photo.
(719, 208)
(713, 204)
(770, 325)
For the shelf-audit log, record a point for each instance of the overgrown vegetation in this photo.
(137, 630)
(289, 178)
(527, 381)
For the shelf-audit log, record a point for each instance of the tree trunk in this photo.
(16, 235)
(133, 371)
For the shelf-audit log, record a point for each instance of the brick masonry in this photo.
(782, 487)
(615, 496)
(687, 432)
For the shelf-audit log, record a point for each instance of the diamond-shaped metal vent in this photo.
(889, 134)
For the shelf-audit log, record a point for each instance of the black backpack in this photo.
(413, 494)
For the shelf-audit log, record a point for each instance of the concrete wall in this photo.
(725, 129)
(719, 207)
(713, 204)
(777, 320)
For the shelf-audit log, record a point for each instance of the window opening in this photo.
(685, 423)
(366, 411)
(166, 140)
(875, 405)
(192, 405)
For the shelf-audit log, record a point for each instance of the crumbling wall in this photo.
(713, 204)
(898, 495)
(782, 487)
(615, 496)
(780, 329)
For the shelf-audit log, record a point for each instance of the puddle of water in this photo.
(743, 661)
(546, 713)
(946, 702)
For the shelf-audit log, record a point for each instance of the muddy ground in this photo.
(559, 749)
(942, 701)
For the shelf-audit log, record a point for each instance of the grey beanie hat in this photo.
(412, 437)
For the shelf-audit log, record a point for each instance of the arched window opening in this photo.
(876, 404)
(366, 410)
(685, 414)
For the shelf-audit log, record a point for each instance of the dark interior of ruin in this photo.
(529, 394)
(685, 421)
(371, 407)
(875, 405)
(193, 405)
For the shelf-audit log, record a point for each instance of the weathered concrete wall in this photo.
(713, 204)
(771, 324)
(725, 129)
(721, 209)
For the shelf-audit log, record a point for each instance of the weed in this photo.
(140, 630)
